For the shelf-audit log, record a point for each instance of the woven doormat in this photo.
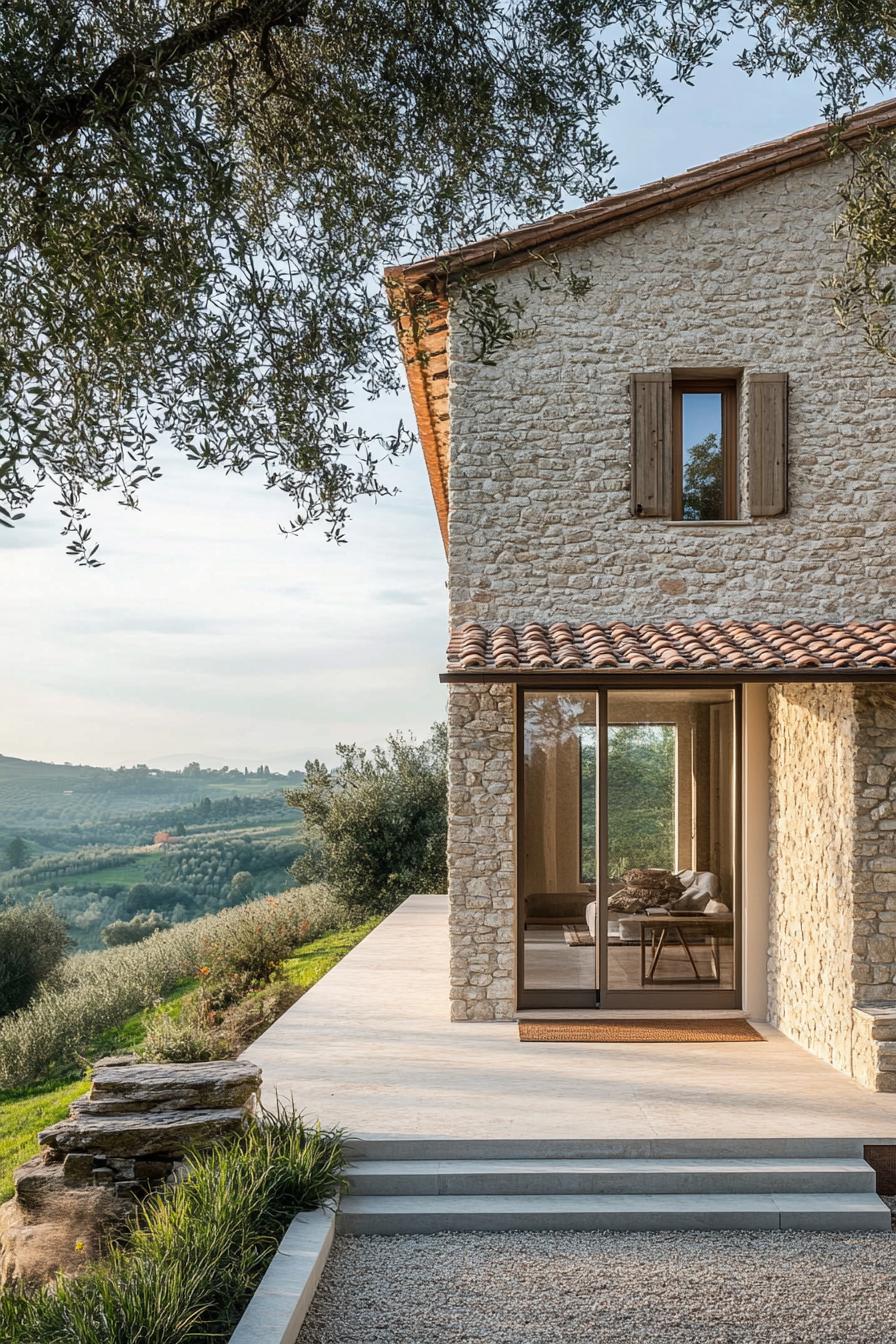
(647, 1030)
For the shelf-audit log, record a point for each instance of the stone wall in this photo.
(874, 888)
(832, 887)
(539, 478)
(540, 529)
(810, 990)
(481, 858)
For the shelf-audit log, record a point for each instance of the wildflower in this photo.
(204, 970)
(79, 1247)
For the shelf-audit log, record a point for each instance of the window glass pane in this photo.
(702, 494)
(640, 797)
(670, 808)
(559, 914)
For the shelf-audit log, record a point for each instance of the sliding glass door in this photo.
(628, 851)
(669, 899)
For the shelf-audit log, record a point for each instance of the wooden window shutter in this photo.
(651, 445)
(768, 444)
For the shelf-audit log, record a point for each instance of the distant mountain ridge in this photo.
(64, 806)
(219, 770)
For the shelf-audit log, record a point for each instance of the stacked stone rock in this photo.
(127, 1137)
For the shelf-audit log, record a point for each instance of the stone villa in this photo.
(669, 507)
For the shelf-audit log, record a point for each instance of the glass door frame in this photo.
(675, 997)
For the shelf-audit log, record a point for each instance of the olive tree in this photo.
(197, 197)
(377, 824)
(33, 943)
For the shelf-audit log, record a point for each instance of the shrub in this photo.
(182, 1037)
(100, 990)
(122, 932)
(33, 942)
(241, 886)
(195, 1030)
(188, 1271)
(96, 991)
(245, 947)
(378, 822)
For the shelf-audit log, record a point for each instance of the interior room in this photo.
(628, 855)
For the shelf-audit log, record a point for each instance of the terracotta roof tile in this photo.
(674, 646)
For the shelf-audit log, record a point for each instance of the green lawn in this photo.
(313, 960)
(141, 868)
(23, 1114)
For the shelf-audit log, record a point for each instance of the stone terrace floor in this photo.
(371, 1048)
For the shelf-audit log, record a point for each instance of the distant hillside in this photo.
(89, 840)
(59, 807)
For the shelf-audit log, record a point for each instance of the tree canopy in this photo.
(701, 494)
(378, 823)
(196, 200)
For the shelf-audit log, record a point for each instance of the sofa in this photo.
(701, 894)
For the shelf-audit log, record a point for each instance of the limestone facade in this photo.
(540, 529)
(810, 990)
(540, 523)
(481, 852)
(832, 875)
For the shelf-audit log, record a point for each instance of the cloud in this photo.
(145, 621)
(403, 597)
(31, 534)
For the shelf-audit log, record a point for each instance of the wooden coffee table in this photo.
(663, 928)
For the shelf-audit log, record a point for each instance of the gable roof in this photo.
(424, 347)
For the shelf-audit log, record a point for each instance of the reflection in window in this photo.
(702, 483)
(640, 797)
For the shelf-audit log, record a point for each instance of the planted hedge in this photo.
(99, 991)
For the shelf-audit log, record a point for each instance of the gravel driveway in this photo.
(608, 1288)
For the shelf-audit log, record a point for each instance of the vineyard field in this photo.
(85, 838)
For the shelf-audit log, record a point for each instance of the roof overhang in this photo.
(633, 681)
(419, 290)
(673, 653)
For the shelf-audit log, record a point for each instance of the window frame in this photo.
(583, 879)
(728, 388)
(533, 683)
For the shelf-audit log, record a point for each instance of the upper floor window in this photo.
(684, 447)
(704, 460)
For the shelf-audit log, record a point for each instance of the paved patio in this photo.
(371, 1048)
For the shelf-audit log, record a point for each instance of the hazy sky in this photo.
(208, 635)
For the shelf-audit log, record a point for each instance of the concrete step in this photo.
(483, 1150)
(374, 1215)
(614, 1176)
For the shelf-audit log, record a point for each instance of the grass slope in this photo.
(313, 960)
(23, 1114)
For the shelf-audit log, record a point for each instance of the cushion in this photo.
(704, 888)
(631, 902)
(716, 908)
(659, 879)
